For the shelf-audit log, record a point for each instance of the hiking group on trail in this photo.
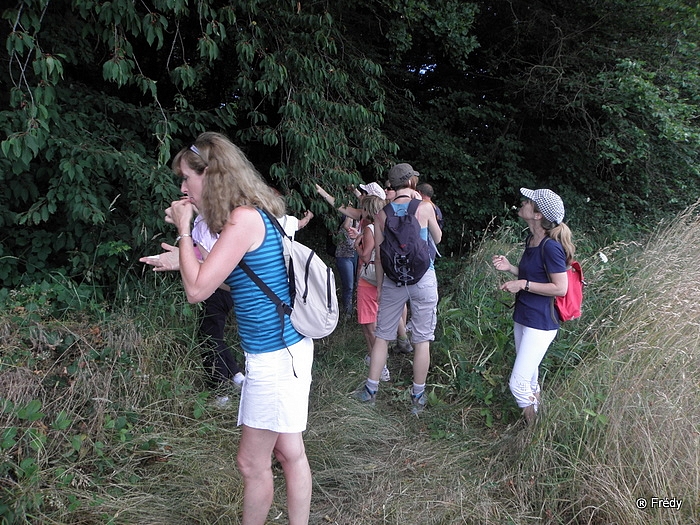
(234, 255)
(401, 231)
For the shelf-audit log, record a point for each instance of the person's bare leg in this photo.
(368, 331)
(255, 464)
(291, 454)
(421, 362)
(401, 331)
(403, 345)
(378, 358)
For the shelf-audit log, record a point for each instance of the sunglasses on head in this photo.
(196, 151)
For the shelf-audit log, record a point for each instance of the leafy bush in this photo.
(78, 393)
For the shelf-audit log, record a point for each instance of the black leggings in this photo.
(219, 362)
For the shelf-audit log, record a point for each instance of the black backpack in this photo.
(404, 254)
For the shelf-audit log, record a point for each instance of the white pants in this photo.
(530, 346)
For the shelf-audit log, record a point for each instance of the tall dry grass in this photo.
(625, 426)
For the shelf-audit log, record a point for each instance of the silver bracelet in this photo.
(177, 239)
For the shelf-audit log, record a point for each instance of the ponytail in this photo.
(562, 234)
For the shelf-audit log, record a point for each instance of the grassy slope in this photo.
(125, 433)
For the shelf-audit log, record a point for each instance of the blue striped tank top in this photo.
(258, 323)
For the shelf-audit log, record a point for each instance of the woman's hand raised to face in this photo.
(180, 214)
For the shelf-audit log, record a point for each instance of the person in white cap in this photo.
(536, 320)
(344, 249)
(373, 188)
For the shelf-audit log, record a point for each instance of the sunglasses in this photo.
(507, 305)
(194, 149)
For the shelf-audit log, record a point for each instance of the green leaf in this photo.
(62, 421)
(31, 411)
(7, 441)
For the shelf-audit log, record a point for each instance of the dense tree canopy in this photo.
(598, 100)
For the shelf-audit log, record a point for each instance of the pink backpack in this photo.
(568, 306)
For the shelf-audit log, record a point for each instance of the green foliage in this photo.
(51, 299)
(473, 352)
(75, 430)
(480, 97)
(605, 105)
(557, 95)
(102, 95)
(320, 111)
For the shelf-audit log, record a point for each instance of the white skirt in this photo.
(273, 398)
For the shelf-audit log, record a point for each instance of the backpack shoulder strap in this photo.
(553, 300)
(413, 206)
(288, 248)
(275, 223)
(544, 241)
(265, 288)
(389, 211)
(281, 307)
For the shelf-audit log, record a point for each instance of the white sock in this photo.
(372, 386)
(418, 389)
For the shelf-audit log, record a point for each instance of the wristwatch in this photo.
(527, 286)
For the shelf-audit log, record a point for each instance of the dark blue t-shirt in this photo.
(532, 310)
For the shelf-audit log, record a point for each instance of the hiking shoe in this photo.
(418, 403)
(364, 395)
(403, 346)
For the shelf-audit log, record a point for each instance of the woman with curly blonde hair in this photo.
(231, 195)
